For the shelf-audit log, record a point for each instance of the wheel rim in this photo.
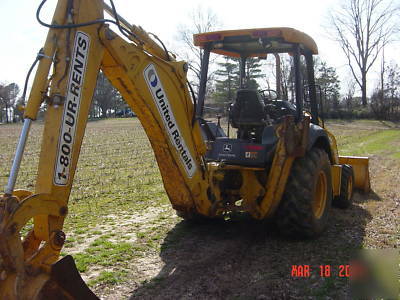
(319, 202)
(349, 188)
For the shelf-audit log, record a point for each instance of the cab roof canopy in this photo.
(256, 42)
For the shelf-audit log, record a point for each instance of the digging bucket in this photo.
(361, 171)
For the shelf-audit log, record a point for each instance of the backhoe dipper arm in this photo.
(151, 82)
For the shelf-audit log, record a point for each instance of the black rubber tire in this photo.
(344, 200)
(295, 216)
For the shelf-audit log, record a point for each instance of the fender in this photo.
(317, 137)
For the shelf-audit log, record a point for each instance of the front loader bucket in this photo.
(66, 283)
(361, 171)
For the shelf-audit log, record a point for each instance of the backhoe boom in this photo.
(154, 86)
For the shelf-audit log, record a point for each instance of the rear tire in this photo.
(345, 199)
(305, 205)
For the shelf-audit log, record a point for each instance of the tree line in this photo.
(384, 102)
(107, 102)
(361, 28)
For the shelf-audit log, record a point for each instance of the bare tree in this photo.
(285, 68)
(363, 28)
(350, 90)
(202, 20)
(385, 101)
(105, 95)
(8, 97)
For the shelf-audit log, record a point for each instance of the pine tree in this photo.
(228, 82)
(329, 82)
(253, 72)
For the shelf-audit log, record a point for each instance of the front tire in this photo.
(305, 205)
(345, 199)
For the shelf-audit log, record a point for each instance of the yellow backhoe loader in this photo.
(282, 164)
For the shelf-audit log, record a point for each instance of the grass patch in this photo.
(372, 143)
(104, 253)
(396, 155)
(109, 278)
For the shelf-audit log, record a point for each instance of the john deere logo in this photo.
(227, 147)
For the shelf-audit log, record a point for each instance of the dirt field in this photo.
(128, 243)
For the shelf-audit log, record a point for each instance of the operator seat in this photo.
(248, 110)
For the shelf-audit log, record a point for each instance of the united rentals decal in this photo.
(71, 108)
(170, 124)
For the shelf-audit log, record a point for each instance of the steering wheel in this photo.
(269, 95)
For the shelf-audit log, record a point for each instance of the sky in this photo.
(22, 36)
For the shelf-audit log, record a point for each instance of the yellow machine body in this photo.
(155, 86)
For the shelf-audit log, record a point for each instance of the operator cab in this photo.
(253, 114)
